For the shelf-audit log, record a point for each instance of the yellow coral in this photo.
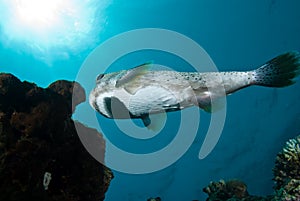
(287, 171)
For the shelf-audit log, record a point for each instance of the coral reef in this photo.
(287, 171)
(286, 177)
(41, 156)
(233, 190)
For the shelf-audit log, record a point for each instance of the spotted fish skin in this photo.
(138, 92)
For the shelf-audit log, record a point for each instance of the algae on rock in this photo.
(41, 155)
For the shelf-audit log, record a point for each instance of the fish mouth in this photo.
(92, 100)
(102, 104)
(93, 103)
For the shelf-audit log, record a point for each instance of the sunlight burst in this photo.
(37, 12)
(39, 26)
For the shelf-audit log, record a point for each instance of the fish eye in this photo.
(99, 77)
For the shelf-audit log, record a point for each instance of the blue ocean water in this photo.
(238, 35)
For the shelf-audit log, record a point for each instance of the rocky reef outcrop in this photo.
(41, 156)
(286, 177)
(231, 190)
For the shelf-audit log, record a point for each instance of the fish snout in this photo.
(92, 100)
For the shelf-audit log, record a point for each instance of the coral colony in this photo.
(286, 177)
(287, 171)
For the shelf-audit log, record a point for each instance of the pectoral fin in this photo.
(132, 89)
(134, 73)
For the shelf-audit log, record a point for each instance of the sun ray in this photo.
(39, 25)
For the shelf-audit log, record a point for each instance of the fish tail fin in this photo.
(281, 71)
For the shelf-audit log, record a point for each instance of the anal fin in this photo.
(154, 122)
(210, 105)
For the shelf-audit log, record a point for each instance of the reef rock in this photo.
(41, 156)
(232, 190)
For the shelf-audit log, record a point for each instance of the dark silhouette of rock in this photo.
(41, 156)
(71, 91)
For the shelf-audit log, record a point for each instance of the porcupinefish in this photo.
(140, 91)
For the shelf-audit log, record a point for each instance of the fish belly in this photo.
(151, 100)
